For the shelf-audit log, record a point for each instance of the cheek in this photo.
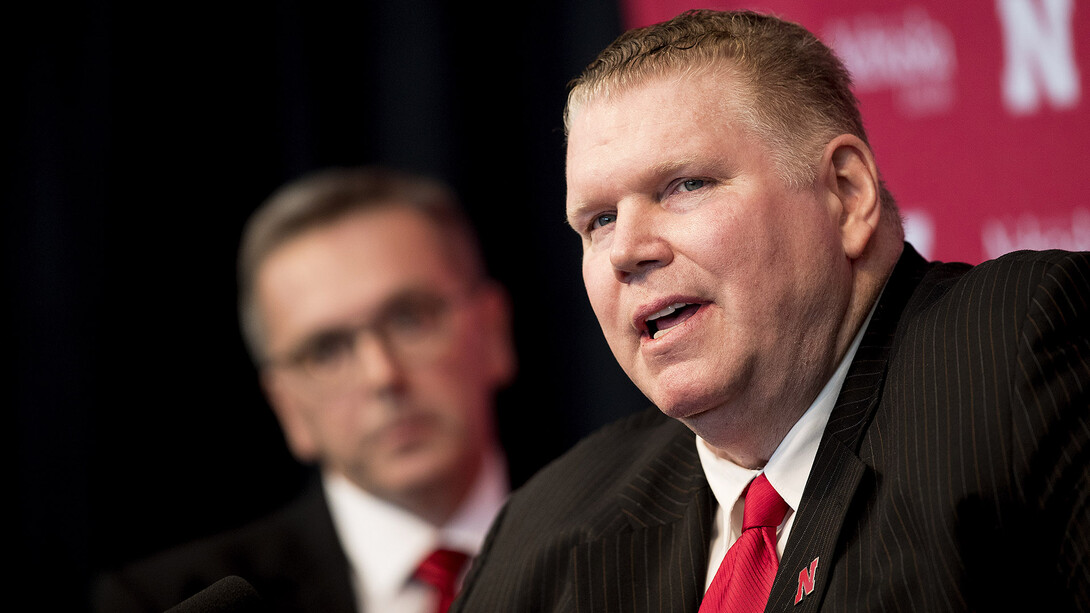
(718, 240)
(598, 280)
(338, 429)
(455, 389)
(346, 418)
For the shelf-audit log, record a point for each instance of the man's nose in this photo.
(380, 368)
(637, 244)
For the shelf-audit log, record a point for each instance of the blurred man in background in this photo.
(381, 343)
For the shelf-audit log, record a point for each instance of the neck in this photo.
(747, 434)
(754, 448)
(437, 500)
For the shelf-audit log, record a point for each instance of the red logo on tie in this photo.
(806, 581)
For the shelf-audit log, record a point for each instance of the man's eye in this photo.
(410, 320)
(328, 350)
(603, 220)
(691, 185)
(415, 317)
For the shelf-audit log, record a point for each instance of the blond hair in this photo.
(796, 94)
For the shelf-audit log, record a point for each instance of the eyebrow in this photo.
(578, 212)
(653, 174)
(672, 167)
(567, 222)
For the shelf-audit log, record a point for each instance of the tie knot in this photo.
(763, 506)
(440, 569)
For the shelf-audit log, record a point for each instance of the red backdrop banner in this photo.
(975, 110)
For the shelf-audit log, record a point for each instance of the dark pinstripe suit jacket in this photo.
(953, 474)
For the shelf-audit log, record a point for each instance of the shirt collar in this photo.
(385, 549)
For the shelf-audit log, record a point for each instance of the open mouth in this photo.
(660, 323)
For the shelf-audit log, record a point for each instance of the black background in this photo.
(144, 134)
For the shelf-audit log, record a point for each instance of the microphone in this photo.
(232, 594)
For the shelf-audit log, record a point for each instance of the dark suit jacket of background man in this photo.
(953, 473)
(292, 558)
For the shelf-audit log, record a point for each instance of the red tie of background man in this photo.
(744, 579)
(440, 570)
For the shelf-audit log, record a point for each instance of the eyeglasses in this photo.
(415, 328)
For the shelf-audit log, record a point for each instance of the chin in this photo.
(702, 410)
(678, 397)
(680, 408)
(433, 465)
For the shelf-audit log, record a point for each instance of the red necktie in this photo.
(744, 579)
(440, 570)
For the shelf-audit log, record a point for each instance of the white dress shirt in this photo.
(787, 470)
(384, 543)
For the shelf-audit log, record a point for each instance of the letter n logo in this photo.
(1039, 54)
(806, 581)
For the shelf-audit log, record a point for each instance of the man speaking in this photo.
(840, 424)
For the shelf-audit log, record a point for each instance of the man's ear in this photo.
(850, 178)
(290, 412)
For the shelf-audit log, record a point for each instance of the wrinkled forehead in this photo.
(716, 88)
(610, 85)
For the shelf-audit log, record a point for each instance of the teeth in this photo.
(661, 333)
(667, 311)
(652, 326)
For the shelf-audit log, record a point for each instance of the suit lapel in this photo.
(838, 471)
(833, 482)
(653, 556)
(329, 586)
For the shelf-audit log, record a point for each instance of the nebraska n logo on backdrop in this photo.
(1039, 54)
